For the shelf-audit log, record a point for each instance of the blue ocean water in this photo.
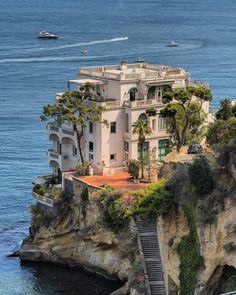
(32, 71)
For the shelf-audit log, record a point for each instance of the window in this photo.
(145, 150)
(59, 147)
(90, 127)
(113, 157)
(151, 92)
(143, 117)
(161, 124)
(126, 156)
(154, 124)
(126, 122)
(113, 127)
(74, 150)
(91, 146)
(159, 94)
(126, 146)
(132, 94)
(90, 157)
(163, 149)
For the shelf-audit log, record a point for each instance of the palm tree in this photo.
(141, 128)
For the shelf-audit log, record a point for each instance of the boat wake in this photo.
(89, 43)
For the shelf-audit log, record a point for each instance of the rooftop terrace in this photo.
(134, 71)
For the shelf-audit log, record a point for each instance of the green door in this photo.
(163, 148)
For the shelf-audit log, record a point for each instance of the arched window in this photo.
(143, 117)
(151, 92)
(132, 94)
(126, 122)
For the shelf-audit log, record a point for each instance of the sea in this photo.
(33, 70)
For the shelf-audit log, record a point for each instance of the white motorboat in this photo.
(47, 35)
(172, 44)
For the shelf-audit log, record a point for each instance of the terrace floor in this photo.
(118, 180)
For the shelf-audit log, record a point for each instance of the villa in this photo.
(126, 91)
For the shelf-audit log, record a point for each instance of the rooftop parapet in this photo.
(138, 71)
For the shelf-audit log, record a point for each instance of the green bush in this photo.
(133, 168)
(41, 191)
(82, 169)
(114, 211)
(153, 200)
(201, 176)
(190, 258)
(117, 209)
(151, 112)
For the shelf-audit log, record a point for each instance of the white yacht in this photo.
(47, 35)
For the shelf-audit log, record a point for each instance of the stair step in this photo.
(150, 247)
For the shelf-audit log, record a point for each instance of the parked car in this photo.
(195, 149)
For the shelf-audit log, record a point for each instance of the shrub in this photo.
(133, 168)
(36, 188)
(41, 191)
(229, 247)
(114, 210)
(153, 200)
(151, 112)
(83, 168)
(201, 176)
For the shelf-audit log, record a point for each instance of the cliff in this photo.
(77, 236)
(197, 235)
(215, 222)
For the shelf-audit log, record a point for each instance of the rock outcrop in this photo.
(78, 237)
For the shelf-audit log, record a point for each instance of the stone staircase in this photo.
(149, 247)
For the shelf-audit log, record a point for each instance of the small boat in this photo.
(172, 44)
(84, 51)
(47, 35)
(139, 60)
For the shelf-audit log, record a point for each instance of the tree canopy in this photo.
(72, 108)
(226, 110)
(184, 114)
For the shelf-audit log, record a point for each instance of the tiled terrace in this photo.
(118, 180)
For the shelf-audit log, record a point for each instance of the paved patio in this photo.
(118, 180)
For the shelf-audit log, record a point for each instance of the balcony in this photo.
(43, 200)
(57, 161)
(61, 131)
(47, 193)
(143, 103)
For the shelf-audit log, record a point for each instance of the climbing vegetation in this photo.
(190, 258)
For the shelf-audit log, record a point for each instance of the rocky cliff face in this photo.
(217, 247)
(76, 236)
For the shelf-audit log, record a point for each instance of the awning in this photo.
(134, 89)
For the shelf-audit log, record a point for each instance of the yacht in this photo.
(47, 35)
(172, 44)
